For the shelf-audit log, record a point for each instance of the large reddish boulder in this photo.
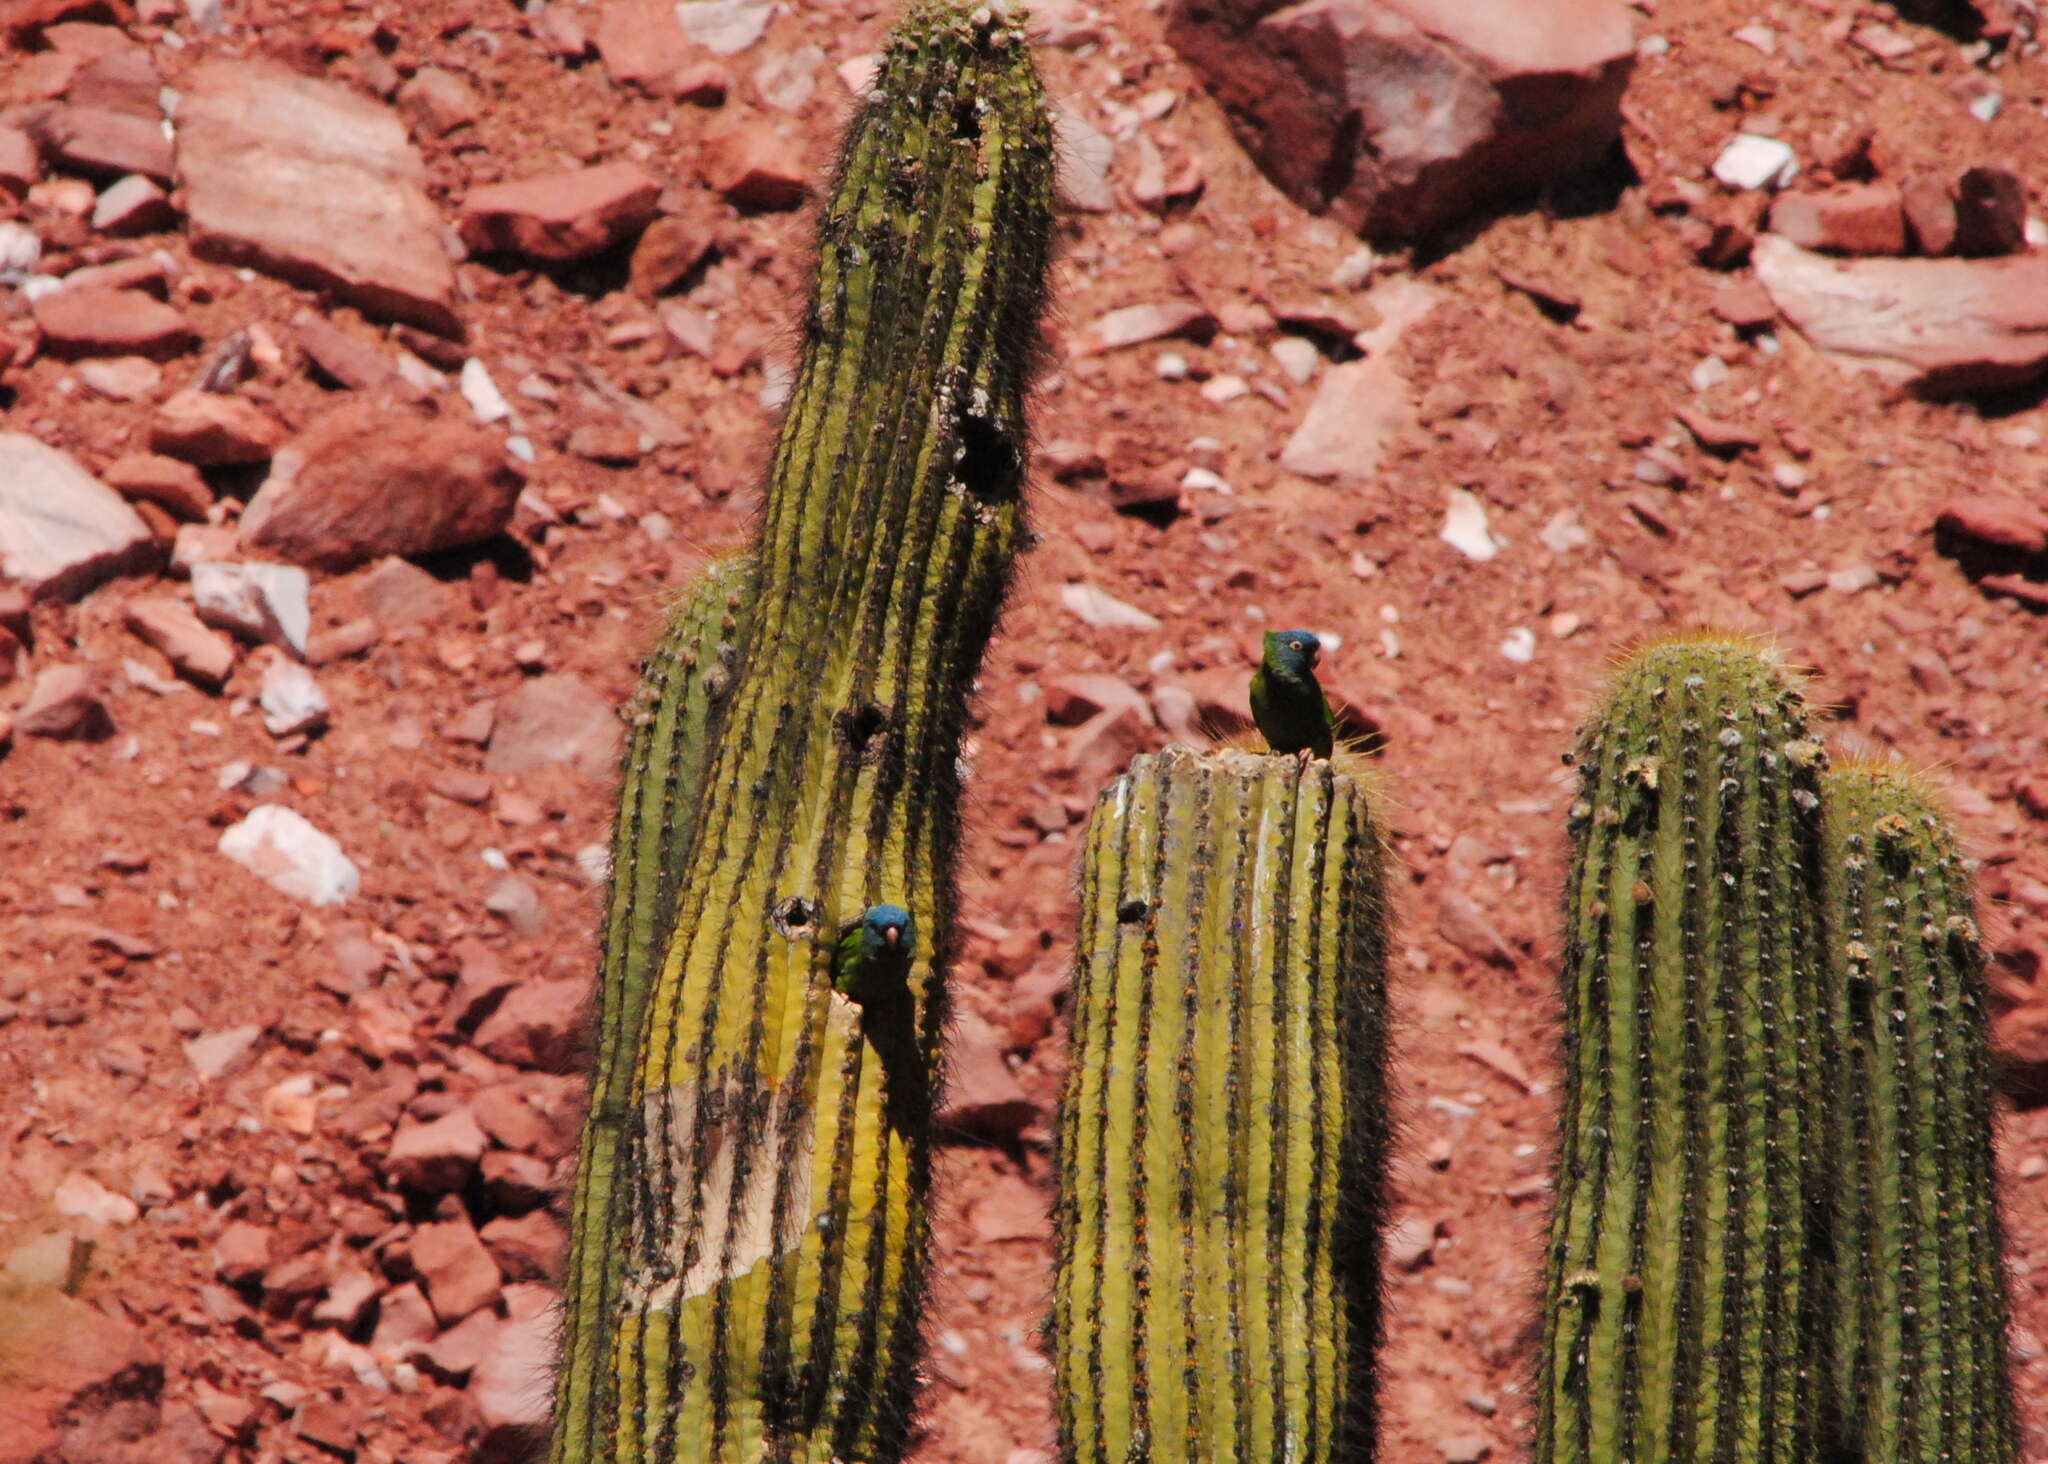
(369, 479)
(1397, 117)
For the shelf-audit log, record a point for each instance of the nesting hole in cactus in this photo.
(1130, 912)
(862, 730)
(988, 463)
(796, 917)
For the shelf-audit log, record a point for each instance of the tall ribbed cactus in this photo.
(1920, 1314)
(672, 720)
(773, 1229)
(1679, 1322)
(1223, 1134)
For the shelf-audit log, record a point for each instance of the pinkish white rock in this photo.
(291, 699)
(1356, 414)
(62, 530)
(81, 1197)
(259, 602)
(314, 183)
(121, 378)
(1134, 325)
(725, 27)
(293, 857)
(509, 1388)
(64, 704)
(555, 719)
(131, 205)
(1940, 325)
(1103, 610)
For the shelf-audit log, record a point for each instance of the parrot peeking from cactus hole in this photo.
(1287, 700)
(873, 958)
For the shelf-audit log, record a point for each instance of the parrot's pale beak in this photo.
(892, 935)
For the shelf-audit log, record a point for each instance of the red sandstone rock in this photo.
(1398, 116)
(560, 216)
(78, 323)
(314, 183)
(1857, 218)
(368, 480)
(210, 429)
(755, 164)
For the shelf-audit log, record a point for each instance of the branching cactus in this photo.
(1223, 1134)
(771, 1223)
(1921, 1310)
(1679, 1321)
(672, 720)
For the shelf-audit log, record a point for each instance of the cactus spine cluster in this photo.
(1223, 1133)
(672, 720)
(1919, 1356)
(1679, 1316)
(769, 1231)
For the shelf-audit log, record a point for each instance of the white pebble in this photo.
(1751, 161)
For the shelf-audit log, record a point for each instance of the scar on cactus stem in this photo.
(671, 720)
(769, 1235)
(1679, 1324)
(1920, 1311)
(1223, 1133)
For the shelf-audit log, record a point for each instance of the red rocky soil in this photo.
(294, 1158)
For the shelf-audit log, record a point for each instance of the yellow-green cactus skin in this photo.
(1680, 1323)
(770, 1226)
(1223, 1132)
(1919, 1359)
(672, 720)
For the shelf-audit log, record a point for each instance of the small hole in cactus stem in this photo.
(966, 121)
(1131, 911)
(796, 918)
(858, 728)
(988, 461)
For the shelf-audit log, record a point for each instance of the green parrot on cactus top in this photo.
(1287, 701)
(873, 957)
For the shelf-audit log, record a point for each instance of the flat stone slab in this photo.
(62, 530)
(1941, 326)
(313, 183)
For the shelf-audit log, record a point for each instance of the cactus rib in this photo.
(1223, 1133)
(1921, 1309)
(1678, 1322)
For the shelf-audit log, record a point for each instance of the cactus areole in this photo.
(1679, 1324)
(769, 1231)
(1223, 1134)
